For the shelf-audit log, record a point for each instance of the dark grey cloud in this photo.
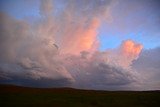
(24, 79)
(96, 73)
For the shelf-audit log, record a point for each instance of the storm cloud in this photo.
(61, 48)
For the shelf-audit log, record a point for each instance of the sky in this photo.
(87, 44)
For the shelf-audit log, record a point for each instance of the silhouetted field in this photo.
(15, 96)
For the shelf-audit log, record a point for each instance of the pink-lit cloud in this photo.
(63, 49)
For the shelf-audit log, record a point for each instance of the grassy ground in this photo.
(13, 96)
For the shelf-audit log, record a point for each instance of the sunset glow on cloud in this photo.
(83, 39)
(90, 44)
(129, 48)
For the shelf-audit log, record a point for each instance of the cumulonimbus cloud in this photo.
(62, 49)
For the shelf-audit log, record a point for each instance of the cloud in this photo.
(28, 52)
(130, 51)
(78, 25)
(148, 65)
(24, 54)
(46, 8)
(125, 54)
(61, 49)
(96, 73)
(105, 70)
(137, 20)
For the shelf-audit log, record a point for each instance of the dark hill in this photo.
(16, 96)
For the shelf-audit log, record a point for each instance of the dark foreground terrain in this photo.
(14, 96)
